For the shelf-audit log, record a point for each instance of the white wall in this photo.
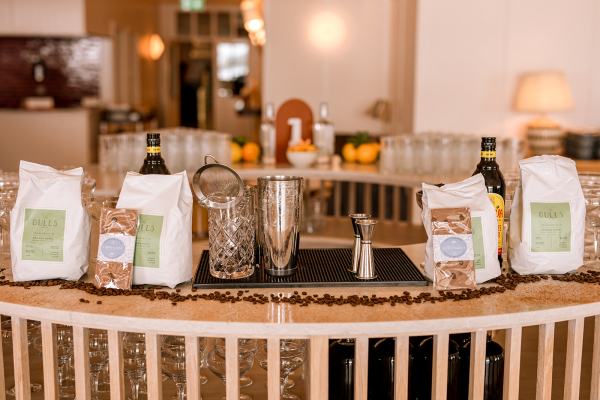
(351, 76)
(42, 17)
(471, 52)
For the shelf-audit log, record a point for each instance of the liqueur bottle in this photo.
(380, 369)
(324, 135)
(420, 380)
(494, 367)
(341, 369)
(267, 135)
(494, 181)
(153, 163)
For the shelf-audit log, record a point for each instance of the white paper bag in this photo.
(547, 217)
(49, 227)
(163, 247)
(470, 193)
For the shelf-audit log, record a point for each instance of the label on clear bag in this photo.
(116, 248)
(453, 248)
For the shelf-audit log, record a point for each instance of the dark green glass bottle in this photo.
(153, 163)
(494, 182)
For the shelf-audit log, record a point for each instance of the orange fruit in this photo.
(250, 152)
(367, 153)
(236, 152)
(349, 152)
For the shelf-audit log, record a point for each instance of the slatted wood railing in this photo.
(318, 335)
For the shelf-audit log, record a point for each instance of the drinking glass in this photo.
(404, 152)
(33, 340)
(98, 357)
(386, 158)
(246, 351)
(446, 150)
(9, 185)
(173, 362)
(592, 222)
(134, 361)
(314, 213)
(292, 356)
(64, 354)
(231, 238)
(174, 369)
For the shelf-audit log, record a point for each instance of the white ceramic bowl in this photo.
(301, 159)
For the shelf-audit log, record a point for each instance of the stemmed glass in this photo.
(66, 370)
(216, 360)
(98, 356)
(33, 338)
(292, 355)
(592, 221)
(173, 362)
(134, 361)
(9, 184)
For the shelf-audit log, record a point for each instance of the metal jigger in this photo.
(366, 266)
(356, 249)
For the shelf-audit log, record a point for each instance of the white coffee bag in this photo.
(49, 227)
(547, 217)
(470, 193)
(163, 247)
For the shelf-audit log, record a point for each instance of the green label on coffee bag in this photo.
(147, 241)
(43, 235)
(550, 227)
(478, 249)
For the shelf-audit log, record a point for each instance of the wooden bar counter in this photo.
(550, 329)
(545, 304)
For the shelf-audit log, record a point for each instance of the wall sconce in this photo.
(253, 21)
(151, 47)
(258, 38)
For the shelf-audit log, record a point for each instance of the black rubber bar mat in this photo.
(322, 268)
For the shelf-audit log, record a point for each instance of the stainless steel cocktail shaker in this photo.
(279, 221)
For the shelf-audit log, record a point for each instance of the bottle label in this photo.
(147, 241)
(498, 203)
(550, 227)
(488, 153)
(478, 249)
(153, 149)
(43, 235)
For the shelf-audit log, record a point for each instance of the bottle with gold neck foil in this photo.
(494, 182)
(153, 163)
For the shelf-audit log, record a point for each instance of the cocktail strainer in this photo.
(217, 185)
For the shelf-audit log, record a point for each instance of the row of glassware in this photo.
(182, 148)
(212, 357)
(443, 154)
(590, 183)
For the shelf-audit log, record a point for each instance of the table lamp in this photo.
(544, 92)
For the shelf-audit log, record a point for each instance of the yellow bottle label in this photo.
(152, 149)
(488, 153)
(498, 203)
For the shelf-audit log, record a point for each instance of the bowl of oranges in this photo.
(302, 154)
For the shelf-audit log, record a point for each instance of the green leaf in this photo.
(241, 140)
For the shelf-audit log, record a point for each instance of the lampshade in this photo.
(151, 47)
(543, 91)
